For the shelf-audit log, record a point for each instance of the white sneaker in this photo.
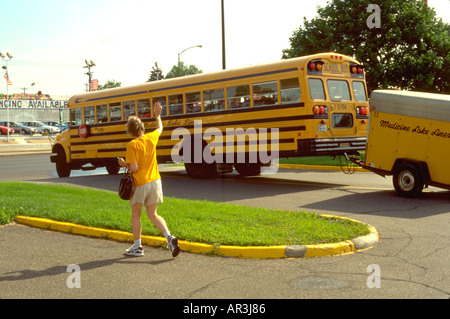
(173, 246)
(133, 251)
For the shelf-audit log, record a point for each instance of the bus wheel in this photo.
(62, 168)
(408, 181)
(248, 169)
(113, 169)
(198, 170)
(201, 170)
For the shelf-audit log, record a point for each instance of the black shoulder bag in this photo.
(126, 185)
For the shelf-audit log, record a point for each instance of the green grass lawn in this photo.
(191, 220)
(319, 160)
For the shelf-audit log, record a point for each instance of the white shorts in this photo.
(147, 194)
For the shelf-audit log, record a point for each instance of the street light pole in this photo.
(10, 56)
(88, 66)
(195, 46)
(223, 37)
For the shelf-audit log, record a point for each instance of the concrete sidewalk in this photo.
(20, 145)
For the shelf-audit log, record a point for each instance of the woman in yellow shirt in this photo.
(147, 190)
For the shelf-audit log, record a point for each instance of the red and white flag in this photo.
(7, 79)
(94, 84)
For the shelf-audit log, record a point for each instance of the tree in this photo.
(410, 49)
(109, 85)
(156, 74)
(182, 70)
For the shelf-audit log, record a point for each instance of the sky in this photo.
(51, 39)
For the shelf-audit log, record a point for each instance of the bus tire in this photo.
(201, 170)
(248, 169)
(112, 168)
(408, 181)
(62, 167)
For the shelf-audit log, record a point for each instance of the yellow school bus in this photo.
(242, 118)
(409, 138)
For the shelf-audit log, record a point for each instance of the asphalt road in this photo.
(410, 261)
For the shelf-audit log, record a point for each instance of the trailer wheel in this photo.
(408, 181)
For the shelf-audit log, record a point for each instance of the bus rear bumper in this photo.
(331, 146)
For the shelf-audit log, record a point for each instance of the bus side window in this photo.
(193, 102)
(75, 117)
(102, 113)
(129, 109)
(238, 96)
(214, 100)
(89, 115)
(163, 101)
(265, 93)
(144, 108)
(176, 104)
(115, 112)
(290, 91)
(316, 89)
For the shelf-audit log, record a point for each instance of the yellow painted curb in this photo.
(262, 252)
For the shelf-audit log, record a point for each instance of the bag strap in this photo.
(127, 171)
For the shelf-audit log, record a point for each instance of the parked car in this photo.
(42, 128)
(57, 124)
(4, 130)
(18, 128)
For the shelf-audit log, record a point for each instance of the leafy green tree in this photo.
(109, 85)
(182, 70)
(409, 50)
(156, 74)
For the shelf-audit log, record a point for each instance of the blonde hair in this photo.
(135, 127)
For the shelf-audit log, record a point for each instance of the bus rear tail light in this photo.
(320, 110)
(362, 110)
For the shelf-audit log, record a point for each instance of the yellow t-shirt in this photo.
(142, 150)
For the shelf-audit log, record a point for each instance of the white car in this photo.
(42, 128)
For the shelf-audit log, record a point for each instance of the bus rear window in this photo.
(342, 120)
(338, 90)
(359, 92)
(316, 89)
